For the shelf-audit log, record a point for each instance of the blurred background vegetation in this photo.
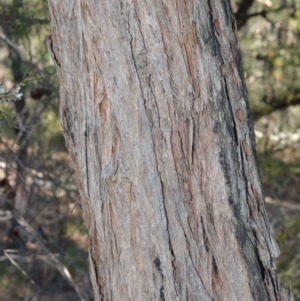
(43, 239)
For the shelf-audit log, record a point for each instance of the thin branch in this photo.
(52, 259)
(285, 204)
(8, 41)
(8, 254)
(241, 14)
(276, 104)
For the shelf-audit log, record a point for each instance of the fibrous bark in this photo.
(154, 111)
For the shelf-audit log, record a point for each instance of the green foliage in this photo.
(270, 46)
(275, 173)
(10, 95)
(6, 121)
(280, 171)
(287, 232)
(25, 20)
(6, 97)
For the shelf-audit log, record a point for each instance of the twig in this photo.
(285, 204)
(8, 255)
(8, 41)
(52, 259)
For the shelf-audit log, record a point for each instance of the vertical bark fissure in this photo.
(231, 110)
(94, 265)
(191, 259)
(205, 239)
(86, 138)
(133, 58)
(173, 257)
(94, 262)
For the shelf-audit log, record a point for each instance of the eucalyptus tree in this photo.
(154, 111)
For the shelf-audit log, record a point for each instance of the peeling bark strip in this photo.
(154, 111)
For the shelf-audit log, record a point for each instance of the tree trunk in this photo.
(154, 112)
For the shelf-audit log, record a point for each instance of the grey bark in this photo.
(154, 111)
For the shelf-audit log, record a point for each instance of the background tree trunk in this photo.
(154, 111)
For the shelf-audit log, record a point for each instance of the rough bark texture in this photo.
(154, 111)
